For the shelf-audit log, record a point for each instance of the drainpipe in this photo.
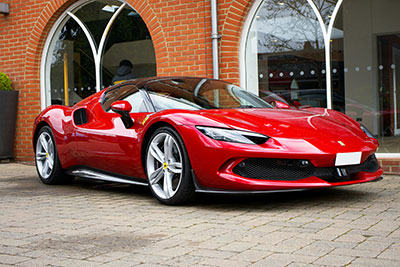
(214, 37)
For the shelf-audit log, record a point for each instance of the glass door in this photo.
(396, 89)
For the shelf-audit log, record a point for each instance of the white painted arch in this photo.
(45, 83)
(326, 34)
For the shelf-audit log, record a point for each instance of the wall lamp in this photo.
(4, 8)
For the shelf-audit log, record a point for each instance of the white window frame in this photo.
(326, 34)
(45, 83)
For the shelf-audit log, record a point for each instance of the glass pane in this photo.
(197, 93)
(366, 54)
(338, 69)
(96, 16)
(117, 93)
(71, 54)
(325, 8)
(285, 53)
(128, 93)
(389, 81)
(137, 102)
(396, 59)
(129, 51)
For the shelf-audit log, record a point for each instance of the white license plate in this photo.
(352, 158)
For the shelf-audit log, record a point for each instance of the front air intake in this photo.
(296, 169)
(274, 169)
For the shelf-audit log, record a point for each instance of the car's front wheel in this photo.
(47, 163)
(168, 167)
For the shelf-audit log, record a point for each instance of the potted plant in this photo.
(8, 117)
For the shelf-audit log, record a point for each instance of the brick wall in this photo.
(232, 17)
(180, 29)
(390, 166)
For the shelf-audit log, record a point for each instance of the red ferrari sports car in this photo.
(181, 135)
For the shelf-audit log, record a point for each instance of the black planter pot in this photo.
(8, 118)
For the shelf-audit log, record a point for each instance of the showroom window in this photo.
(285, 49)
(368, 51)
(86, 47)
(340, 54)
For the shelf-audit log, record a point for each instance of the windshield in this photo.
(197, 93)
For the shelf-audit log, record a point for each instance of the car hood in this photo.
(319, 129)
(287, 123)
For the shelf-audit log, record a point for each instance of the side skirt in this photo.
(88, 173)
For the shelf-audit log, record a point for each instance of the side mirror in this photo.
(280, 105)
(123, 108)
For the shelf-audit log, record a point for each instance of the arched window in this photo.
(86, 46)
(340, 54)
(285, 50)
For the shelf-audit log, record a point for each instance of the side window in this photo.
(166, 101)
(137, 102)
(127, 92)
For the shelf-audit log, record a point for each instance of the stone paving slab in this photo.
(93, 223)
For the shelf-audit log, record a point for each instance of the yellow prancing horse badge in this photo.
(145, 119)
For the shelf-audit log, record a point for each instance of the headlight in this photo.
(366, 131)
(235, 136)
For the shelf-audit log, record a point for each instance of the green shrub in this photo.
(5, 82)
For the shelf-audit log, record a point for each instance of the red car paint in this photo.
(313, 134)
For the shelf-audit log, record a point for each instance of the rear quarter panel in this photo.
(59, 119)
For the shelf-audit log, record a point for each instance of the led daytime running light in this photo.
(234, 136)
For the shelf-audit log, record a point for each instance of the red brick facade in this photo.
(390, 166)
(180, 30)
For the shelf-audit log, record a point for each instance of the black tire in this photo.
(56, 175)
(185, 190)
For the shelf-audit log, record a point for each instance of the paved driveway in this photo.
(95, 223)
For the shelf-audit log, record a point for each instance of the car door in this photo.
(104, 142)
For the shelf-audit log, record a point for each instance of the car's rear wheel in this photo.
(47, 163)
(168, 167)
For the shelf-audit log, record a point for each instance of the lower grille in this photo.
(274, 169)
(296, 169)
(336, 174)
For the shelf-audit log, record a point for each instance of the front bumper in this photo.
(216, 166)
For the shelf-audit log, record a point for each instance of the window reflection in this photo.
(197, 93)
(163, 101)
(71, 54)
(74, 69)
(285, 49)
(129, 39)
(96, 16)
(366, 54)
(285, 55)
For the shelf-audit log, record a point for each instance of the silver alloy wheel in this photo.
(164, 165)
(45, 155)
